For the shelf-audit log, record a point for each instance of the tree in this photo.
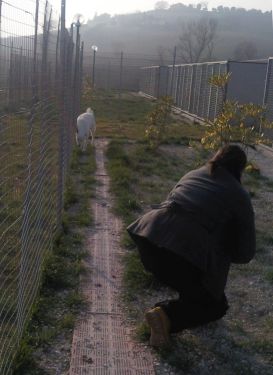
(197, 42)
(157, 120)
(102, 18)
(161, 5)
(78, 17)
(235, 122)
(203, 5)
(245, 50)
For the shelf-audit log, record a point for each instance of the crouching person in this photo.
(189, 241)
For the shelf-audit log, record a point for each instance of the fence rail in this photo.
(40, 89)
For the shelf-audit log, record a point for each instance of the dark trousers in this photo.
(195, 305)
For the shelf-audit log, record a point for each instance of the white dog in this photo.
(86, 127)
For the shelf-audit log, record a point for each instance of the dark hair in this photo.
(230, 157)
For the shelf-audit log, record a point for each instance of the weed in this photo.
(157, 122)
(262, 345)
(75, 300)
(238, 327)
(70, 194)
(269, 322)
(269, 184)
(143, 332)
(263, 240)
(68, 321)
(122, 179)
(181, 355)
(44, 336)
(235, 121)
(23, 360)
(57, 274)
(82, 219)
(269, 275)
(136, 277)
(65, 223)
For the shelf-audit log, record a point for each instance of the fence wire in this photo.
(116, 70)
(188, 85)
(40, 87)
(268, 98)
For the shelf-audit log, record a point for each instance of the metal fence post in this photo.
(1, 1)
(11, 78)
(108, 85)
(81, 72)
(21, 307)
(60, 188)
(120, 73)
(76, 71)
(173, 66)
(70, 97)
(57, 56)
(36, 115)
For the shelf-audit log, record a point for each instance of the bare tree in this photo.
(197, 42)
(245, 50)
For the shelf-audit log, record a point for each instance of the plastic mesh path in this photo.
(102, 341)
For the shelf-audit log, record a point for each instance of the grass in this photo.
(256, 182)
(140, 177)
(182, 355)
(122, 177)
(269, 275)
(25, 226)
(142, 332)
(125, 118)
(136, 278)
(60, 301)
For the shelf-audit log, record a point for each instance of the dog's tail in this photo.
(89, 110)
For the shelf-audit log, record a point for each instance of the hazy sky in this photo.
(89, 7)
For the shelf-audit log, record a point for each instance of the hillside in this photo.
(156, 32)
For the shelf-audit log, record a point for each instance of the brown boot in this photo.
(159, 323)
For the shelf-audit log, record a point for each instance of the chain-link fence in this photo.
(115, 70)
(40, 87)
(269, 89)
(268, 97)
(188, 85)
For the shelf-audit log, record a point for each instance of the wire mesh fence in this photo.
(268, 97)
(188, 85)
(40, 87)
(118, 70)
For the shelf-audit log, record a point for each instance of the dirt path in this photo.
(102, 341)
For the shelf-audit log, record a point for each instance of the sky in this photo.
(89, 8)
